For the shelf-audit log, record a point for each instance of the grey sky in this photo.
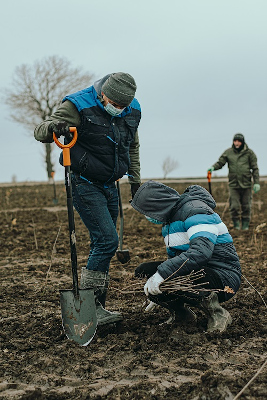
(200, 68)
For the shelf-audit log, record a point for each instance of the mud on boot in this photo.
(99, 282)
(218, 317)
(184, 314)
(180, 312)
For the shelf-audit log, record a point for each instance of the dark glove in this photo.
(134, 188)
(60, 128)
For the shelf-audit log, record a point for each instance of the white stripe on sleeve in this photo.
(176, 239)
(203, 228)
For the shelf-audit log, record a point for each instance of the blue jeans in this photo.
(97, 206)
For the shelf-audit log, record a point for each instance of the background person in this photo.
(195, 239)
(107, 116)
(242, 164)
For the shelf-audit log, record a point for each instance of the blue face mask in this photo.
(113, 110)
(154, 221)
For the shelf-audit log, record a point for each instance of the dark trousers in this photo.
(214, 282)
(240, 200)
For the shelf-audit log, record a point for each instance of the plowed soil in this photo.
(142, 357)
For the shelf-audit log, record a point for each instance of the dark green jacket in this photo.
(242, 166)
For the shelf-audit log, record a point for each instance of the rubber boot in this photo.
(218, 317)
(183, 313)
(180, 312)
(99, 282)
(245, 224)
(236, 223)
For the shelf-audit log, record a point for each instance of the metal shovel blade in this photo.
(79, 315)
(123, 256)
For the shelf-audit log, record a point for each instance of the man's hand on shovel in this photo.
(61, 128)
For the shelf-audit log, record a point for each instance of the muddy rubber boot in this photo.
(99, 282)
(184, 313)
(180, 312)
(245, 224)
(236, 223)
(218, 317)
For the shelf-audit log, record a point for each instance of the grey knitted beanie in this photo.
(120, 88)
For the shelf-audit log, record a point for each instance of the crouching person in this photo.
(197, 241)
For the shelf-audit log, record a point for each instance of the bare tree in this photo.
(168, 166)
(37, 90)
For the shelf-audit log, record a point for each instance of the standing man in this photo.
(242, 164)
(106, 116)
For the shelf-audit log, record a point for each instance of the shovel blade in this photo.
(123, 256)
(79, 315)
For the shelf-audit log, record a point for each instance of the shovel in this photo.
(122, 255)
(55, 200)
(77, 305)
(209, 181)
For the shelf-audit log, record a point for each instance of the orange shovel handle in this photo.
(209, 176)
(209, 179)
(66, 147)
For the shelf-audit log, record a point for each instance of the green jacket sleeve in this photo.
(254, 167)
(65, 112)
(134, 169)
(221, 162)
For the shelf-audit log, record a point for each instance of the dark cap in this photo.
(120, 87)
(240, 137)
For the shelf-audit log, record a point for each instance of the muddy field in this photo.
(141, 358)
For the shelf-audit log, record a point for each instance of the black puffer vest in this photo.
(102, 149)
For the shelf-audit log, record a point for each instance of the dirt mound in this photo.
(142, 357)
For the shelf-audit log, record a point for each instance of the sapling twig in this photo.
(255, 290)
(51, 259)
(175, 272)
(34, 234)
(251, 380)
(183, 283)
(186, 283)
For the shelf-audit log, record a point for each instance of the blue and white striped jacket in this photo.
(192, 231)
(178, 234)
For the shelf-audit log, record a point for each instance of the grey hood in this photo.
(196, 192)
(155, 200)
(161, 202)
